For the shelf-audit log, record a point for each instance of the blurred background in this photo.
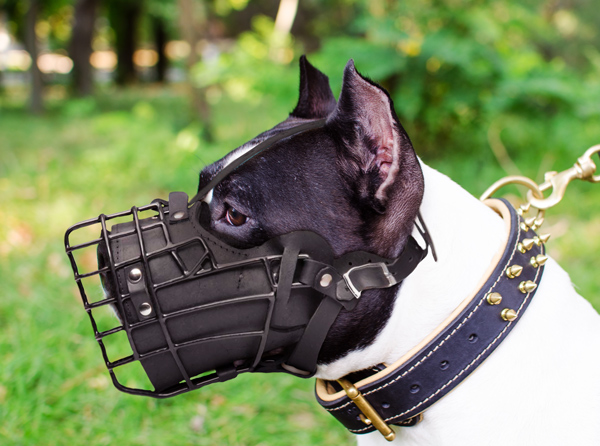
(109, 103)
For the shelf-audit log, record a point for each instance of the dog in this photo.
(359, 184)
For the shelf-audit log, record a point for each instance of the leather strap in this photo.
(223, 173)
(402, 391)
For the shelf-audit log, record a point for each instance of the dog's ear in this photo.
(377, 154)
(316, 99)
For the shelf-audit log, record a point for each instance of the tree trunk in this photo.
(80, 48)
(160, 40)
(124, 18)
(36, 104)
(192, 19)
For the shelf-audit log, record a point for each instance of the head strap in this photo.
(223, 173)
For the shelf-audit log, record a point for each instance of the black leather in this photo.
(446, 361)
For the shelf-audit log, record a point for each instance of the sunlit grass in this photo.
(129, 147)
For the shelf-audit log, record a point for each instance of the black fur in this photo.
(316, 99)
(326, 180)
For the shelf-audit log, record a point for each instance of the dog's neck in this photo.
(466, 235)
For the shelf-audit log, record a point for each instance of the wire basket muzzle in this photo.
(189, 308)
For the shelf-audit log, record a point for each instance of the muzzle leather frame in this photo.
(196, 310)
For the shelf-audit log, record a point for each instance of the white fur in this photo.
(230, 158)
(541, 386)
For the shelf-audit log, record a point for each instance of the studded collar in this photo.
(400, 393)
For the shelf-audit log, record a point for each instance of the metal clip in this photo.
(369, 415)
(583, 169)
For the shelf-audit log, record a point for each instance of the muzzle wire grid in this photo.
(150, 329)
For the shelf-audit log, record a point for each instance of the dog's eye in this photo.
(235, 218)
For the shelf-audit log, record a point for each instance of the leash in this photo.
(399, 393)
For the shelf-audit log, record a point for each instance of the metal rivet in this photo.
(178, 215)
(508, 314)
(145, 309)
(494, 298)
(514, 271)
(135, 275)
(325, 280)
(527, 287)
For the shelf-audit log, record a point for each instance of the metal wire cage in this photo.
(152, 324)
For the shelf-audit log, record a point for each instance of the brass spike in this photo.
(520, 211)
(524, 227)
(530, 221)
(538, 260)
(527, 286)
(525, 245)
(525, 207)
(494, 298)
(537, 241)
(539, 222)
(508, 314)
(544, 237)
(514, 271)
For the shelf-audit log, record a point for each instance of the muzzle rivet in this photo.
(325, 280)
(178, 215)
(494, 298)
(508, 314)
(145, 309)
(135, 275)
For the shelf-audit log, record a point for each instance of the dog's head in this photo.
(356, 182)
(290, 261)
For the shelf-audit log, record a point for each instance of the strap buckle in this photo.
(369, 415)
(370, 275)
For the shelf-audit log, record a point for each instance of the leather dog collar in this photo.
(399, 393)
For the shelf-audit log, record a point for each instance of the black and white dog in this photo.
(359, 184)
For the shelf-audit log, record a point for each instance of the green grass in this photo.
(129, 147)
(104, 155)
